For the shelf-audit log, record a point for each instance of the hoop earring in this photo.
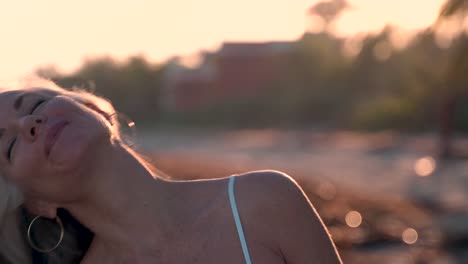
(34, 246)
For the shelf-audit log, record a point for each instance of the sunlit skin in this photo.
(25, 118)
(139, 218)
(47, 32)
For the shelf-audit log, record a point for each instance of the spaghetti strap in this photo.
(235, 213)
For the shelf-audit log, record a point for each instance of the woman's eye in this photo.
(10, 148)
(36, 105)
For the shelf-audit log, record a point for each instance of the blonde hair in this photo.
(12, 243)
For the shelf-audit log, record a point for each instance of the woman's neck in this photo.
(124, 202)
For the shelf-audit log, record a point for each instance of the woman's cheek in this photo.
(27, 169)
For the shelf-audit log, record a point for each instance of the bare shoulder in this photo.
(270, 188)
(280, 213)
(269, 180)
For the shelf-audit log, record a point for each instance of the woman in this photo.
(63, 150)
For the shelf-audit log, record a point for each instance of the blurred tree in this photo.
(141, 82)
(133, 86)
(48, 72)
(451, 8)
(456, 78)
(329, 10)
(319, 85)
(393, 88)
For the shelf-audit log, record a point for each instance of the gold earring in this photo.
(34, 246)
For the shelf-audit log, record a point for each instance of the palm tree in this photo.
(453, 7)
(329, 10)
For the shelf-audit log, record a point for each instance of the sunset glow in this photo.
(64, 33)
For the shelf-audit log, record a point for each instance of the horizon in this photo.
(46, 36)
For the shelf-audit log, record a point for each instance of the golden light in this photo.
(352, 46)
(131, 124)
(353, 219)
(400, 38)
(316, 24)
(192, 61)
(425, 166)
(410, 236)
(447, 31)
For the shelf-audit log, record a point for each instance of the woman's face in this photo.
(48, 141)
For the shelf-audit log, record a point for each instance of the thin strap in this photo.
(235, 213)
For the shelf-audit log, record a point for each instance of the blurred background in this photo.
(363, 102)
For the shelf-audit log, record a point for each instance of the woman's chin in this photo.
(77, 147)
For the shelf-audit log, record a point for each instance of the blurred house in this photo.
(185, 88)
(236, 71)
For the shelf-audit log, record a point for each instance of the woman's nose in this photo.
(30, 126)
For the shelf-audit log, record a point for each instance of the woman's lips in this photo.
(52, 134)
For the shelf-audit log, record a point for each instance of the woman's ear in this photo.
(42, 208)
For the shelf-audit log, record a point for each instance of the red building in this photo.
(236, 71)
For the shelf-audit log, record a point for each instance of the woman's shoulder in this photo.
(270, 186)
(278, 212)
(269, 199)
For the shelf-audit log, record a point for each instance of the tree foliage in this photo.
(319, 86)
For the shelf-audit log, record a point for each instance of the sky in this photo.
(64, 33)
